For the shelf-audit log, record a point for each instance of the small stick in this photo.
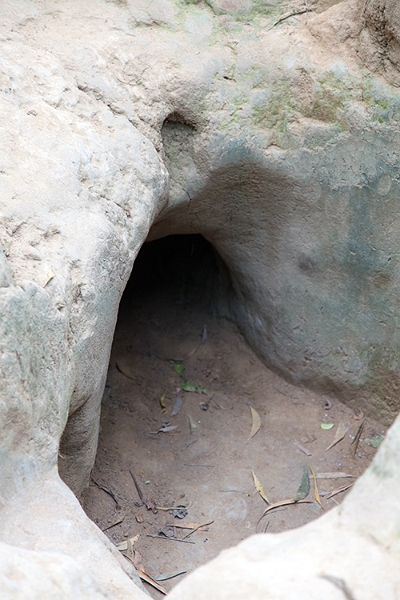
(109, 492)
(195, 529)
(292, 14)
(185, 526)
(287, 395)
(210, 466)
(354, 443)
(218, 405)
(342, 489)
(171, 539)
(114, 524)
(170, 507)
(189, 444)
(139, 491)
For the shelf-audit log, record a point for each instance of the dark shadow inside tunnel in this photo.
(182, 269)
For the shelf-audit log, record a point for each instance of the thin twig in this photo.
(210, 466)
(171, 539)
(354, 443)
(292, 14)
(196, 528)
(109, 492)
(114, 524)
(287, 395)
(171, 507)
(139, 491)
(339, 490)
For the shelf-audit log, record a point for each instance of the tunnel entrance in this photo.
(176, 416)
(183, 269)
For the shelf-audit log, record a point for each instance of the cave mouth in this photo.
(184, 269)
(175, 414)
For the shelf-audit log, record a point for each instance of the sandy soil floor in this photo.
(199, 462)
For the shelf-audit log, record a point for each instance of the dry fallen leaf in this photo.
(256, 422)
(316, 493)
(337, 475)
(339, 435)
(259, 488)
(162, 402)
(284, 503)
(341, 489)
(137, 560)
(123, 368)
(166, 428)
(151, 581)
(123, 546)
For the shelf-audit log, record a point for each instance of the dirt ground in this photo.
(201, 467)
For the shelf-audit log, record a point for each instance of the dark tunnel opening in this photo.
(182, 269)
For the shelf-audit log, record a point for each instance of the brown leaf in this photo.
(284, 503)
(338, 475)
(256, 422)
(162, 402)
(316, 493)
(137, 560)
(259, 488)
(341, 489)
(123, 546)
(339, 435)
(151, 581)
(124, 368)
(167, 428)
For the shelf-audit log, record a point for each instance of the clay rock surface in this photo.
(275, 139)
